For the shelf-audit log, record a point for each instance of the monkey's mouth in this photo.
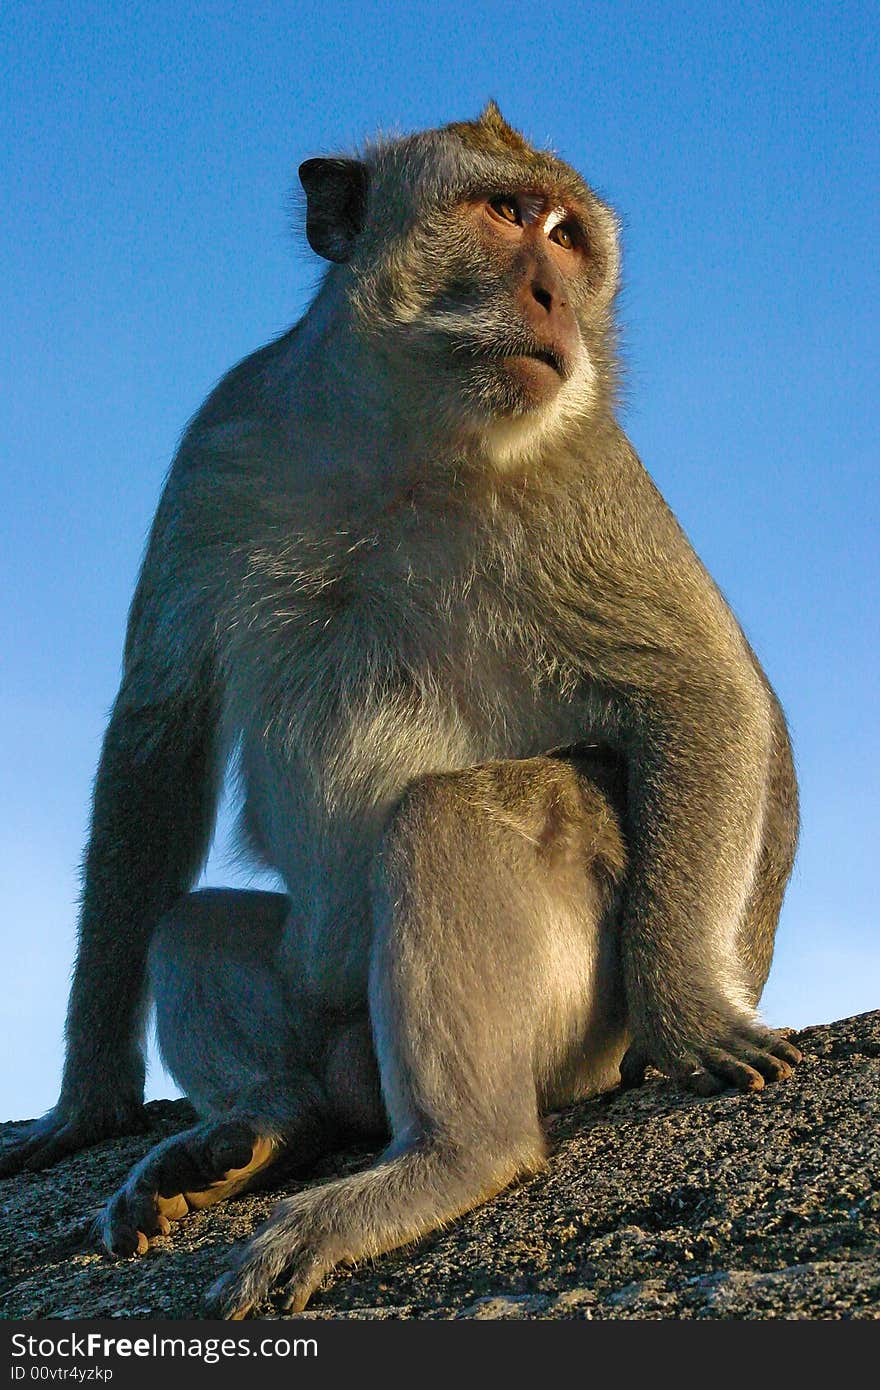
(521, 375)
(536, 375)
(554, 358)
(549, 357)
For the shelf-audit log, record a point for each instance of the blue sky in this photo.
(147, 159)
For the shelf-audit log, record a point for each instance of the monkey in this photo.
(528, 792)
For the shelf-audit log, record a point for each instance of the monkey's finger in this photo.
(42, 1151)
(771, 1067)
(273, 1256)
(633, 1067)
(303, 1275)
(732, 1070)
(780, 1047)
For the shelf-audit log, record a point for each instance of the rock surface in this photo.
(654, 1205)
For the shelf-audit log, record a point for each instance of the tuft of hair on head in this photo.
(491, 133)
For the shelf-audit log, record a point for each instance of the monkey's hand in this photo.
(68, 1128)
(747, 1056)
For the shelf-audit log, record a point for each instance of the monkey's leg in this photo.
(224, 1034)
(491, 891)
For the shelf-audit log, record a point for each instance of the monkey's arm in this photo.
(152, 818)
(698, 786)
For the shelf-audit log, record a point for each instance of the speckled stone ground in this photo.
(654, 1205)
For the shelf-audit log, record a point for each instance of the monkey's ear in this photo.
(336, 198)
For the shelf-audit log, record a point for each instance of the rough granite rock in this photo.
(654, 1205)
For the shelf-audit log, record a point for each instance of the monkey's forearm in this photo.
(152, 820)
(697, 798)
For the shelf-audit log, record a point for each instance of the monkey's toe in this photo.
(770, 1066)
(703, 1082)
(296, 1296)
(225, 1299)
(129, 1222)
(251, 1280)
(56, 1136)
(32, 1152)
(747, 1057)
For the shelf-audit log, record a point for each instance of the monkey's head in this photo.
(480, 274)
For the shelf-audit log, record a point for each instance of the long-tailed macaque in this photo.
(529, 793)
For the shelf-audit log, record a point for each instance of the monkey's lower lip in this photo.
(547, 356)
(540, 374)
(551, 359)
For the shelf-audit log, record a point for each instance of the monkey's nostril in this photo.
(544, 297)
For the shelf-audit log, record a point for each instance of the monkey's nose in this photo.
(543, 296)
(545, 309)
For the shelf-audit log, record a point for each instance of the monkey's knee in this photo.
(240, 922)
(548, 818)
(221, 1014)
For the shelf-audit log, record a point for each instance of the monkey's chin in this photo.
(535, 381)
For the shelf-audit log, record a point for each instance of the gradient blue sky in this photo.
(147, 158)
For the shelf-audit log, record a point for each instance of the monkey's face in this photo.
(509, 320)
(481, 273)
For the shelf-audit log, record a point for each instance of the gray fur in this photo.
(390, 582)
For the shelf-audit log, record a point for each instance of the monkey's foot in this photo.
(192, 1170)
(747, 1058)
(66, 1131)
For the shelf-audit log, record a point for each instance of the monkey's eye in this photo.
(507, 208)
(563, 236)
